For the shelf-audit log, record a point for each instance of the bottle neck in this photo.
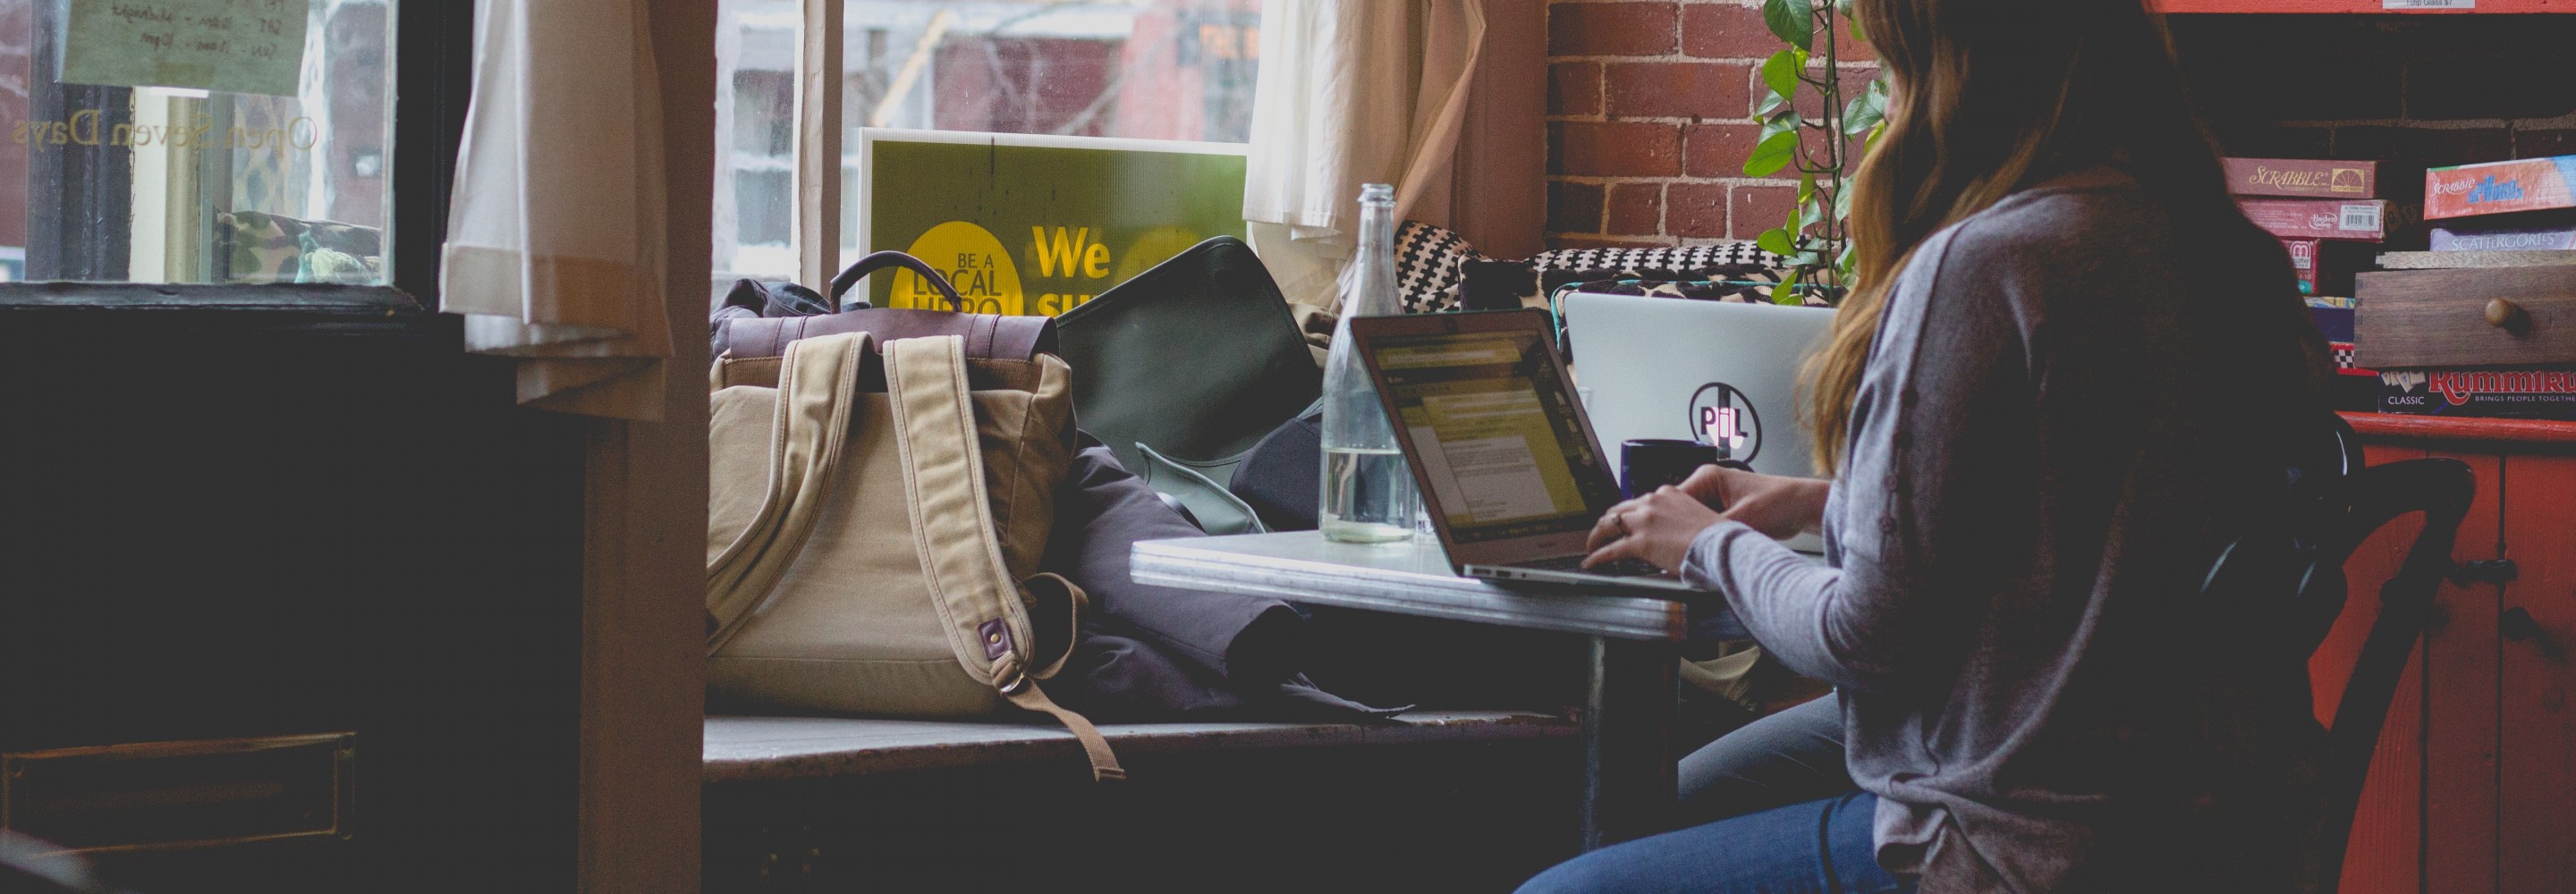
(1372, 275)
(1377, 228)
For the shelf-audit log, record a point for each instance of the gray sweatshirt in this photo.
(2051, 442)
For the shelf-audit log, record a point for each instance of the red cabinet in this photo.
(2474, 784)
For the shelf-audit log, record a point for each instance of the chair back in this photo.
(2336, 504)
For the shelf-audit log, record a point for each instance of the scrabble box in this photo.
(2303, 178)
(2359, 220)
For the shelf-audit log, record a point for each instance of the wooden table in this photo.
(1626, 718)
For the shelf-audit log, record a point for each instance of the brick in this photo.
(1853, 49)
(1580, 242)
(2543, 143)
(2262, 139)
(1678, 89)
(2404, 152)
(2525, 82)
(2291, 68)
(1574, 88)
(1573, 207)
(1636, 209)
(1613, 29)
(1727, 31)
(1718, 150)
(1759, 208)
(1614, 149)
(1696, 210)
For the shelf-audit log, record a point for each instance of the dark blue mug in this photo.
(1649, 463)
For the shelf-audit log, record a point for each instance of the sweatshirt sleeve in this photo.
(1915, 500)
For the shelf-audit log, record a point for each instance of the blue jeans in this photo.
(1779, 814)
(1811, 848)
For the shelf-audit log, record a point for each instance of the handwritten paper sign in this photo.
(230, 46)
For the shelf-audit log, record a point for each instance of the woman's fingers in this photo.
(1607, 530)
(1622, 548)
(1709, 485)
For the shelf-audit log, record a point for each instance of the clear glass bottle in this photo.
(1368, 491)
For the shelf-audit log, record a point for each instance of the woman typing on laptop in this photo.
(2067, 368)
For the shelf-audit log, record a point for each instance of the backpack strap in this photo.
(817, 385)
(984, 612)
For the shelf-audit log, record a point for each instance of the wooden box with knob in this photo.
(2471, 341)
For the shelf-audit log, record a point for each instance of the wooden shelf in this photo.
(2354, 6)
(2461, 428)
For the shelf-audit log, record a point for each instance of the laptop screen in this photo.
(1495, 432)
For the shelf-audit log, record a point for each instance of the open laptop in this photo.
(1718, 373)
(1498, 444)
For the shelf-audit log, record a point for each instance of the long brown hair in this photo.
(1992, 97)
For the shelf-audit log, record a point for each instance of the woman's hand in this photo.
(1776, 505)
(1657, 527)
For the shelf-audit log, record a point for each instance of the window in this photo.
(1146, 69)
(156, 142)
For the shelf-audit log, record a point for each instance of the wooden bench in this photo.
(1433, 800)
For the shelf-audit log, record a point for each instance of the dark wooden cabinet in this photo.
(233, 525)
(2475, 776)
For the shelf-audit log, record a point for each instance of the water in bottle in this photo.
(1368, 491)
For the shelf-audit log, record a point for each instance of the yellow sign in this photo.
(973, 261)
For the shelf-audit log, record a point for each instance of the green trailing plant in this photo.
(1817, 236)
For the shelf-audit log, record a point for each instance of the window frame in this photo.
(432, 77)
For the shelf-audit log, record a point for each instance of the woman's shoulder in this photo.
(2103, 213)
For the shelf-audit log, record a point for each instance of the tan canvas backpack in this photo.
(875, 527)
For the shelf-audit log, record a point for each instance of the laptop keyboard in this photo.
(1620, 568)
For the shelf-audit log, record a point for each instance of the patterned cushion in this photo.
(1430, 266)
(1680, 261)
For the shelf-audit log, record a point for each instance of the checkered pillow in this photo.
(1686, 259)
(1430, 266)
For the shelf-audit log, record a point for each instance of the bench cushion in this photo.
(745, 749)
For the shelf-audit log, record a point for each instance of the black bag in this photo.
(1282, 479)
(1183, 368)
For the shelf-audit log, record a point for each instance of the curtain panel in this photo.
(1352, 92)
(555, 233)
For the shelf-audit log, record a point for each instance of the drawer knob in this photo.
(2508, 316)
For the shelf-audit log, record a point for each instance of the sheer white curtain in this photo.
(555, 243)
(1352, 92)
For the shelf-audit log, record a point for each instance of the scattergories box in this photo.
(2558, 237)
(2500, 187)
(2361, 220)
(2303, 178)
(2528, 392)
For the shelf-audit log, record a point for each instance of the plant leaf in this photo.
(1774, 152)
(1793, 21)
(1806, 187)
(1810, 213)
(1776, 242)
(1771, 101)
(1785, 121)
(1781, 71)
(1843, 201)
(1861, 115)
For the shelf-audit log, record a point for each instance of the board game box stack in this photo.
(2329, 216)
(2480, 325)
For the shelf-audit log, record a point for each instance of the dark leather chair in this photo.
(2336, 504)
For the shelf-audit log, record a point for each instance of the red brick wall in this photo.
(1650, 110)
(1649, 104)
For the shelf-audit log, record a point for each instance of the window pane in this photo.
(158, 178)
(1148, 69)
